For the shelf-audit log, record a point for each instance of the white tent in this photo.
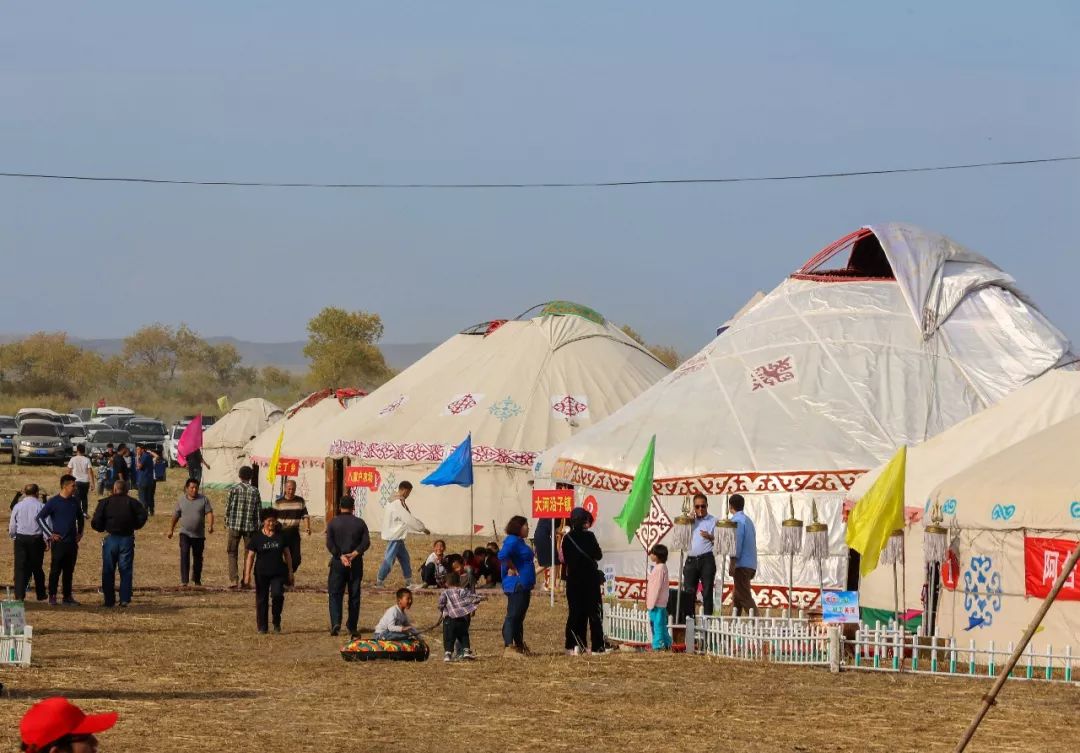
(518, 386)
(1015, 518)
(305, 439)
(223, 443)
(886, 337)
(1044, 402)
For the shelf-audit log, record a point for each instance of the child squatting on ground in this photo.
(656, 597)
(456, 605)
(395, 624)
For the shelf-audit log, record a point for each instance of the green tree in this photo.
(666, 354)
(150, 352)
(342, 349)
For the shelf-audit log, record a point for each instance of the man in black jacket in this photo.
(119, 516)
(347, 538)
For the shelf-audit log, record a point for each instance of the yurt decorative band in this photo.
(710, 483)
(430, 453)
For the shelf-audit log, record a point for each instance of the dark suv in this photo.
(148, 432)
(8, 429)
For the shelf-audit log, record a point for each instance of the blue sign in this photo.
(840, 606)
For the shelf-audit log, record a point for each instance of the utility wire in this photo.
(581, 184)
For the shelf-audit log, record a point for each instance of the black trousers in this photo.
(340, 581)
(701, 569)
(291, 536)
(29, 561)
(584, 612)
(82, 491)
(62, 565)
(191, 558)
(269, 597)
(455, 634)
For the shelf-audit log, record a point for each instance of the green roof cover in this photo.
(568, 308)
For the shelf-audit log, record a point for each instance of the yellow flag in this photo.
(271, 468)
(878, 514)
(223, 404)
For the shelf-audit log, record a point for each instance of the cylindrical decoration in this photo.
(817, 536)
(683, 528)
(894, 548)
(724, 543)
(935, 537)
(791, 532)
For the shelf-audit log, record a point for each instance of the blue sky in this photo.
(489, 92)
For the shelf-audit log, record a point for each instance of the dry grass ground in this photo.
(187, 672)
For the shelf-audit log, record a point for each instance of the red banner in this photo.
(288, 467)
(591, 507)
(364, 476)
(1043, 560)
(552, 503)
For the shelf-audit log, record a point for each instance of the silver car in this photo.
(8, 429)
(40, 442)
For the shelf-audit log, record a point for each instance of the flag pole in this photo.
(472, 518)
(551, 569)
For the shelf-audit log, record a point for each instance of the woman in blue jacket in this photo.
(518, 580)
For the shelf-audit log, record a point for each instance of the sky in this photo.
(512, 92)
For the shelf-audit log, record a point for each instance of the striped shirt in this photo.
(290, 511)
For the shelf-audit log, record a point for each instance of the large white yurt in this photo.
(1015, 519)
(517, 386)
(224, 442)
(886, 337)
(1044, 402)
(305, 440)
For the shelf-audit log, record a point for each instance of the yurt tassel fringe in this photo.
(791, 531)
(935, 537)
(893, 553)
(725, 540)
(817, 536)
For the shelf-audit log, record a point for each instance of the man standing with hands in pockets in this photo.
(701, 561)
(347, 538)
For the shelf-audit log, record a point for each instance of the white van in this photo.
(115, 410)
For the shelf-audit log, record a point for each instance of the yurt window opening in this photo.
(855, 257)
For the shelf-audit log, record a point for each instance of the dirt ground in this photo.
(187, 672)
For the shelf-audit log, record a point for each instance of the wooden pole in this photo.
(1003, 675)
(551, 568)
(472, 518)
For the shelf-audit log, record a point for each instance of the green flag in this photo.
(637, 504)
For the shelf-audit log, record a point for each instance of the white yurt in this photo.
(886, 337)
(224, 442)
(1015, 519)
(1044, 402)
(304, 439)
(517, 386)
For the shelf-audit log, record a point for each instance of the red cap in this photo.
(54, 718)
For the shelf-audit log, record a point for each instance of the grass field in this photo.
(187, 672)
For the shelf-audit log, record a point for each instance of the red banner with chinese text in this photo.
(552, 503)
(1043, 560)
(364, 476)
(288, 467)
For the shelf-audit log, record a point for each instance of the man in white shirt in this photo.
(81, 468)
(397, 522)
(29, 543)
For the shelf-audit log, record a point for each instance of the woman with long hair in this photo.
(580, 554)
(518, 580)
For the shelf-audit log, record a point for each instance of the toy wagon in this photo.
(371, 649)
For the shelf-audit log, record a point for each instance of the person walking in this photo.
(270, 560)
(581, 553)
(83, 470)
(347, 538)
(397, 522)
(518, 580)
(241, 519)
(743, 565)
(144, 477)
(121, 471)
(63, 521)
(291, 513)
(118, 516)
(701, 561)
(28, 538)
(56, 725)
(192, 512)
(195, 464)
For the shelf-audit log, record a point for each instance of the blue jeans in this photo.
(661, 638)
(395, 550)
(117, 551)
(513, 630)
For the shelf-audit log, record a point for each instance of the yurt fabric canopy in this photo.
(518, 386)
(887, 337)
(224, 442)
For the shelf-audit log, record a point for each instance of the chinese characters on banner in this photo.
(288, 467)
(1043, 560)
(552, 503)
(840, 607)
(363, 476)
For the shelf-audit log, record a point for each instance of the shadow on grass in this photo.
(129, 695)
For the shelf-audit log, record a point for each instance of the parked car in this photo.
(40, 442)
(149, 432)
(116, 420)
(8, 429)
(37, 414)
(91, 426)
(99, 439)
(75, 434)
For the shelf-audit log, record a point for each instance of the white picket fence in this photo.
(15, 649)
(881, 648)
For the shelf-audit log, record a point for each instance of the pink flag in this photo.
(190, 440)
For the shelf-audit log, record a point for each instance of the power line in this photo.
(569, 184)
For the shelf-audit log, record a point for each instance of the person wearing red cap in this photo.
(56, 725)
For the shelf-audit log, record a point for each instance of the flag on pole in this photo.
(190, 440)
(223, 404)
(637, 504)
(878, 514)
(456, 469)
(271, 468)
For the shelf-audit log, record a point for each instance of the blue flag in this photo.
(456, 469)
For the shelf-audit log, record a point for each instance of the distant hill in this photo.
(286, 355)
